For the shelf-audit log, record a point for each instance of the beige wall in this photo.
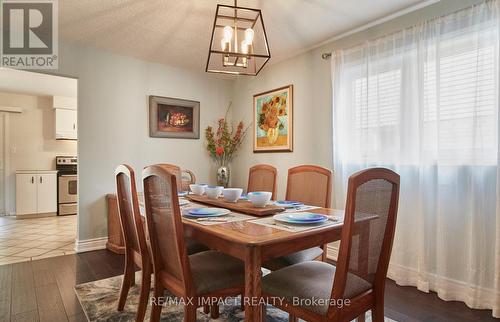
(310, 75)
(31, 138)
(113, 123)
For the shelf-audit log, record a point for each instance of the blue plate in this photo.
(285, 218)
(305, 216)
(288, 204)
(205, 212)
(182, 193)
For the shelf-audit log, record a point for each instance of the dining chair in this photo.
(262, 177)
(311, 185)
(193, 247)
(361, 268)
(205, 275)
(136, 251)
(187, 177)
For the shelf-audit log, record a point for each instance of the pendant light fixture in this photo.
(239, 42)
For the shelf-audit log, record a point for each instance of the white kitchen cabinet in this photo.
(46, 193)
(36, 192)
(26, 197)
(66, 124)
(64, 102)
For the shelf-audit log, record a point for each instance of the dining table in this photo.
(254, 243)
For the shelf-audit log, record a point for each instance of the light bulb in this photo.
(244, 47)
(249, 35)
(224, 44)
(228, 33)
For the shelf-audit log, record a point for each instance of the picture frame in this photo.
(273, 120)
(174, 118)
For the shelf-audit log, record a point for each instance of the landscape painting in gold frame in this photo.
(273, 120)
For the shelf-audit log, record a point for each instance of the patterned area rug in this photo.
(99, 301)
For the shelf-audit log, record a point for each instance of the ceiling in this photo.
(177, 32)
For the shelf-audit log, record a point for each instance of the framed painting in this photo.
(273, 120)
(174, 118)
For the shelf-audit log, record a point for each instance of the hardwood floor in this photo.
(42, 290)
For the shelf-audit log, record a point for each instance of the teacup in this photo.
(198, 189)
(232, 194)
(213, 192)
(259, 199)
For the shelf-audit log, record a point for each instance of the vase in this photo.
(272, 135)
(223, 176)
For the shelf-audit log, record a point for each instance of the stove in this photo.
(67, 185)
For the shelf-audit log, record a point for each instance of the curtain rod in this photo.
(326, 55)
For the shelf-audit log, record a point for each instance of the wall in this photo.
(311, 78)
(113, 123)
(31, 138)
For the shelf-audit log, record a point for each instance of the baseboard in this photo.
(88, 245)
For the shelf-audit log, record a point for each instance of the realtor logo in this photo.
(29, 34)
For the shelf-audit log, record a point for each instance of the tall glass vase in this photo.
(223, 175)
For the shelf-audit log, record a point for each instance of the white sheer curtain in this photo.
(424, 102)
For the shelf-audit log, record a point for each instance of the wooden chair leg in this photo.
(242, 302)
(144, 296)
(324, 256)
(361, 318)
(128, 275)
(156, 308)
(214, 311)
(189, 313)
(378, 313)
(292, 318)
(206, 309)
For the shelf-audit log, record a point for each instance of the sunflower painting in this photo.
(273, 130)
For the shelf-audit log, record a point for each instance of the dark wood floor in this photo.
(43, 291)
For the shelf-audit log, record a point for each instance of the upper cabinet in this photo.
(65, 118)
(68, 103)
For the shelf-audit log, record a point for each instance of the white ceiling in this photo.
(177, 32)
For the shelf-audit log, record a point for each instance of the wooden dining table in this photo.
(254, 244)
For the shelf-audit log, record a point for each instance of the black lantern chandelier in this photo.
(239, 43)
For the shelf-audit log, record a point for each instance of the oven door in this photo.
(68, 188)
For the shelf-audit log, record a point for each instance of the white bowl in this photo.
(259, 198)
(232, 194)
(213, 192)
(197, 189)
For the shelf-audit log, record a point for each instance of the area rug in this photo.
(99, 301)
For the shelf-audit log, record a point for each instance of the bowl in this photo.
(232, 194)
(259, 199)
(213, 192)
(197, 189)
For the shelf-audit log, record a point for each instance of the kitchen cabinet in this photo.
(66, 124)
(36, 192)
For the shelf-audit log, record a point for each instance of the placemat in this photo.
(270, 222)
(231, 217)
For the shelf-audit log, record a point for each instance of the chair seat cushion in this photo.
(307, 281)
(194, 247)
(295, 258)
(213, 271)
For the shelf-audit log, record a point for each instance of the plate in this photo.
(183, 202)
(285, 218)
(305, 216)
(205, 212)
(182, 193)
(288, 203)
(244, 197)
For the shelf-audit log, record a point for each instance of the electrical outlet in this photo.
(13, 150)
